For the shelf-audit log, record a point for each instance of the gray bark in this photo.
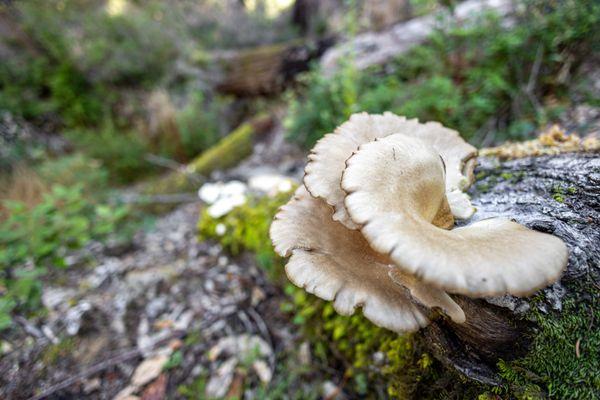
(559, 195)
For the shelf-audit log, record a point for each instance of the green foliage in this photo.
(122, 153)
(32, 241)
(564, 360)
(74, 169)
(481, 78)
(327, 102)
(247, 228)
(125, 49)
(198, 124)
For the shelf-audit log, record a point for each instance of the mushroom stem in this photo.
(488, 334)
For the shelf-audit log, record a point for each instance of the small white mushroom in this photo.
(396, 193)
(337, 264)
(327, 160)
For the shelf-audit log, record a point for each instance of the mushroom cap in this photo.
(395, 189)
(337, 264)
(326, 164)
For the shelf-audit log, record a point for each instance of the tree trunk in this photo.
(553, 194)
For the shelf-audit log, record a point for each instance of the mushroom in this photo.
(395, 192)
(327, 160)
(337, 264)
(370, 227)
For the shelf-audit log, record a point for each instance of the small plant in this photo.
(32, 241)
(121, 152)
(489, 81)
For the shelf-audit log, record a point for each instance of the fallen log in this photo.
(266, 70)
(557, 194)
(225, 154)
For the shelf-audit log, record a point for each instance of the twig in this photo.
(174, 166)
(262, 327)
(535, 70)
(134, 198)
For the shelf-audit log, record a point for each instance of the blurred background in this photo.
(145, 146)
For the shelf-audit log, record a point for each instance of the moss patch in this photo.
(564, 361)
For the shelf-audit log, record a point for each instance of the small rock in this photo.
(74, 317)
(242, 346)
(219, 383)
(331, 391)
(220, 229)
(270, 184)
(148, 370)
(263, 371)
(304, 354)
(91, 385)
(257, 296)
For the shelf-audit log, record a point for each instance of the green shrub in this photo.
(32, 241)
(484, 79)
(130, 49)
(75, 169)
(198, 124)
(122, 153)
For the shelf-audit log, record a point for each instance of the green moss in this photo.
(62, 349)
(554, 366)
(227, 152)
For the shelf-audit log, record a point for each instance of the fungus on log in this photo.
(391, 208)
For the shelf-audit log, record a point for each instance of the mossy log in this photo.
(554, 194)
(225, 154)
(266, 70)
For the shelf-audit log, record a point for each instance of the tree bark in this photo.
(559, 195)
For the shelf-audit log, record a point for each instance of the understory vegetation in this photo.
(96, 102)
(490, 80)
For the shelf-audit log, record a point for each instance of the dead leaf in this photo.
(156, 390)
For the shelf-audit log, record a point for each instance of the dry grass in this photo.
(23, 185)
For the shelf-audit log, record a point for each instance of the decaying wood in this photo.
(377, 48)
(553, 194)
(176, 185)
(266, 70)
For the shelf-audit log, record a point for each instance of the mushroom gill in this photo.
(337, 264)
(327, 160)
(395, 189)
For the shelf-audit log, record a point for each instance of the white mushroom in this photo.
(337, 264)
(327, 159)
(370, 227)
(396, 191)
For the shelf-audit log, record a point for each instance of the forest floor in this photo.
(163, 315)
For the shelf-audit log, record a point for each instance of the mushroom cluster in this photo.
(371, 227)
